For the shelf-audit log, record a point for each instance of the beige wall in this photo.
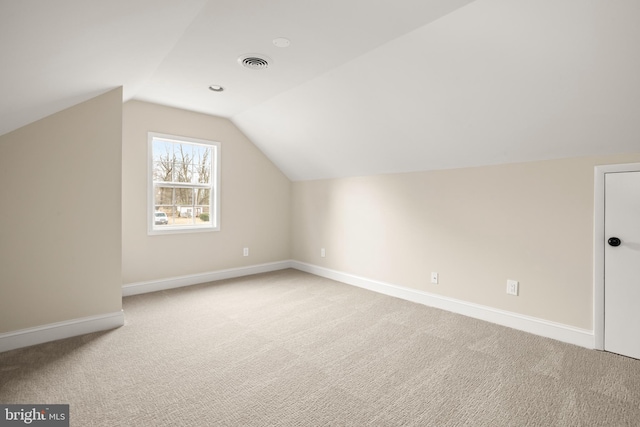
(255, 201)
(476, 227)
(71, 233)
(60, 245)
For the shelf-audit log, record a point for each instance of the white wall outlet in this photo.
(434, 278)
(245, 252)
(512, 287)
(323, 253)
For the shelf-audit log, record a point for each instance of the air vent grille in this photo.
(254, 62)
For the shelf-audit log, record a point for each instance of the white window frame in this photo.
(214, 202)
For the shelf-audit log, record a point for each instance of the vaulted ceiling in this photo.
(364, 87)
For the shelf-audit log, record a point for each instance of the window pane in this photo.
(163, 197)
(162, 171)
(162, 149)
(161, 218)
(204, 216)
(202, 164)
(184, 196)
(202, 196)
(183, 172)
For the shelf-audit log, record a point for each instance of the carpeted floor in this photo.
(291, 349)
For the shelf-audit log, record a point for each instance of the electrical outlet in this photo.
(512, 287)
(434, 278)
(245, 252)
(323, 253)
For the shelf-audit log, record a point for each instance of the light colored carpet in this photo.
(291, 349)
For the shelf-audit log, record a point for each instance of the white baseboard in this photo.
(557, 331)
(60, 330)
(545, 328)
(194, 279)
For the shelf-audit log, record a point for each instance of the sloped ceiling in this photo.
(365, 87)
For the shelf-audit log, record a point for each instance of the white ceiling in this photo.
(366, 86)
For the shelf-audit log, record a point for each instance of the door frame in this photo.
(598, 245)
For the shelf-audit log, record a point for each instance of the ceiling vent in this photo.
(254, 61)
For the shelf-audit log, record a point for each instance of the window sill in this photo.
(180, 230)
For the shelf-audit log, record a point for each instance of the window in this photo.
(183, 184)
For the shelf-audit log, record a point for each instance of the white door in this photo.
(622, 264)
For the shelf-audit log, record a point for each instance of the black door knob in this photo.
(614, 241)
